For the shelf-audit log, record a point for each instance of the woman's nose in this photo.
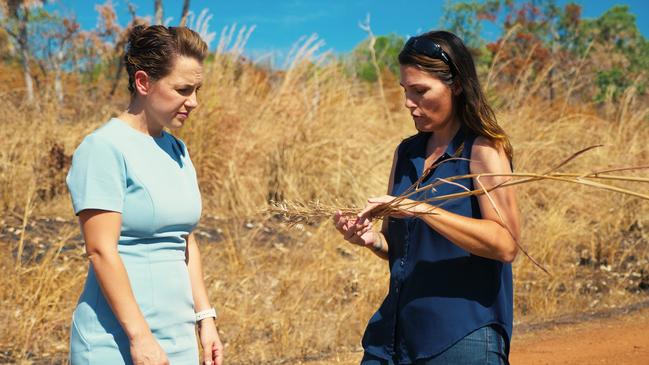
(192, 101)
(409, 103)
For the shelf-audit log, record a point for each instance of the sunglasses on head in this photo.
(431, 49)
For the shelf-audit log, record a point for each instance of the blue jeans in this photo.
(484, 346)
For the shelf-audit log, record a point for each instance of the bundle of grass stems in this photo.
(315, 212)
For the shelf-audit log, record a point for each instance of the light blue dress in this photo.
(151, 181)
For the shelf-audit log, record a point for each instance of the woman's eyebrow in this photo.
(184, 85)
(413, 85)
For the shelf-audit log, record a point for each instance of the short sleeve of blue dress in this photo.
(151, 182)
(97, 178)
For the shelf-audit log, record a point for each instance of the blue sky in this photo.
(280, 23)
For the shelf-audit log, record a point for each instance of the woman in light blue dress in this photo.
(134, 189)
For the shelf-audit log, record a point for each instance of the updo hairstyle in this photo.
(153, 49)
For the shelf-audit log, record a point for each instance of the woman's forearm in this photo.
(115, 285)
(101, 231)
(380, 246)
(195, 267)
(481, 237)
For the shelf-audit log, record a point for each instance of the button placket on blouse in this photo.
(406, 246)
(399, 279)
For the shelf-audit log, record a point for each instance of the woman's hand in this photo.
(406, 208)
(146, 350)
(356, 231)
(211, 343)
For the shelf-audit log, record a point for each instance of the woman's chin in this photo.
(175, 123)
(423, 126)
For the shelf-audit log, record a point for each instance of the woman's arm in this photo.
(195, 267)
(380, 245)
(495, 236)
(101, 230)
(212, 347)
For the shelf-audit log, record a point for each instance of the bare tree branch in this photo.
(371, 38)
(119, 49)
(185, 11)
(158, 11)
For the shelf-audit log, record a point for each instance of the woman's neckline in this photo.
(138, 132)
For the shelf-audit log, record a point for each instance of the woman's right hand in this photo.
(355, 230)
(146, 350)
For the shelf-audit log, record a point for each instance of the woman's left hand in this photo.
(212, 347)
(405, 209)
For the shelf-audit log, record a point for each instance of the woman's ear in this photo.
(142, 82)
(456, 88)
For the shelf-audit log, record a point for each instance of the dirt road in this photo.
(615, 340)
(619, 339)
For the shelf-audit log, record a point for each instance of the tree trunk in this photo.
(551, 86)
(24, 54)
(183, 15)
(29, 84)
(118, 75)
(158, 11)
(58, 84)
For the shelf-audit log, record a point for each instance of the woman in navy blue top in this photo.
(450, 297)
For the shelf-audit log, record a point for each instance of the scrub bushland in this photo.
(313, 132)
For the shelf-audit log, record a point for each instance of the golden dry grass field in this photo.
(290, 294)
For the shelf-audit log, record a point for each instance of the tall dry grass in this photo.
(314, 133)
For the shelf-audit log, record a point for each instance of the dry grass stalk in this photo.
(297, 212)
(305, 213)
(311, 212)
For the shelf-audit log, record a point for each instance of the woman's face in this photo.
(429, 100)
(170, 99)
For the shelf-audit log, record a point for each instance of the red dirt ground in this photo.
(621, 339)
(616, 340)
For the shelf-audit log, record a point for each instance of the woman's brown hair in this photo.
(153, 49)
(471, 105)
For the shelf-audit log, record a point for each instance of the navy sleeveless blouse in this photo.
(439, 293)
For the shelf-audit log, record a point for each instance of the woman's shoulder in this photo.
(411, 139)
(484, 146)
(410, 142)
(105, 138)
(488, 155)
(111, 131)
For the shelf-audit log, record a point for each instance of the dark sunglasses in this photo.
(431, 49)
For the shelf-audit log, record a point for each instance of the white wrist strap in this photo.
(206, 314)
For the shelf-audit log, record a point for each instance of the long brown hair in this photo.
(471, 106)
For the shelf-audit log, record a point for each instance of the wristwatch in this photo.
(206, 314)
